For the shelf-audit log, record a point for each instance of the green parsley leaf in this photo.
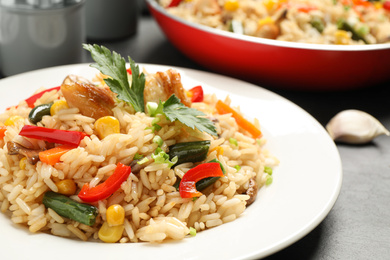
(114, 66)
(193, 118)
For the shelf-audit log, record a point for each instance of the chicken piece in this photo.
(162, 85)
(91, 100)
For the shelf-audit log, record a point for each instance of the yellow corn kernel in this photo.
(12, 120)
(115, 215)
(219, 150)
(378, 5)
(342, 37)
(57, 106)
(110, 234)
(107, 125)
(269, 4)
(267, 20)
(189, 94)
(231, 5)
(23, 163)
(66, 187)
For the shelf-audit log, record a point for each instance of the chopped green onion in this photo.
(158, 140)
(268, 170)
(233, 141)
(160, 156)
(237, 167)
(192, 231)
(138, 156)
(144, 160)
(269, 180)
(151, 108)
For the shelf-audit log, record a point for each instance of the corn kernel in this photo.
(267, 20)
(115, 215)
(66, 187)
(231, 5)
(110, 234)
(107, 125)
(23, 163)
(12, 120)
(219, 150)
(189, 94)
(378, 5)
(57, 106)
(269, 4)
(342, 37)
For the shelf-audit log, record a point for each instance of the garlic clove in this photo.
(355, 127)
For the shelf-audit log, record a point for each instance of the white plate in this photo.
(305, 187)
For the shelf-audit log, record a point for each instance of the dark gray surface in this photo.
(358, 227)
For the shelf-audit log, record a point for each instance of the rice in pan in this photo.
(344, 22)
(88, 192)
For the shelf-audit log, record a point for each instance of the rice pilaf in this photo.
(345, 22)
(154, 208)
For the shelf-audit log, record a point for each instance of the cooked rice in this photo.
(153, 207)
(306, 21)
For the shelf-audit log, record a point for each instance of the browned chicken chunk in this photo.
(91, 100)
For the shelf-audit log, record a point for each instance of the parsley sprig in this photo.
(114, 66)
(175, 110)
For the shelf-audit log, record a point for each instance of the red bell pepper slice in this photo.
(107, 188)
(174, 3)
(196, 94)
(31, 100)
(53, 135)
(187, 186)
(386, 5)
(3, 128)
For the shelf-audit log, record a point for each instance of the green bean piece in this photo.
(68, 208)
(38, 112)
(189, 151)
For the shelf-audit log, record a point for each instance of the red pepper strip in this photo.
(129, 71)
(196, 94)
(107, 188)
(31, 100)
(187, 186)
(174, 3)
(386, 5)
(3, 128)
(306, 9)
(53, 135)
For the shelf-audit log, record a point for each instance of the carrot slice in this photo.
(223, 108)
(52, 156)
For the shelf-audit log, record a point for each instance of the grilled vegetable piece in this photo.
(68, 208)
(32, 155)
(344, 25)
(38, 112)
(187, 186)
(189, 151)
